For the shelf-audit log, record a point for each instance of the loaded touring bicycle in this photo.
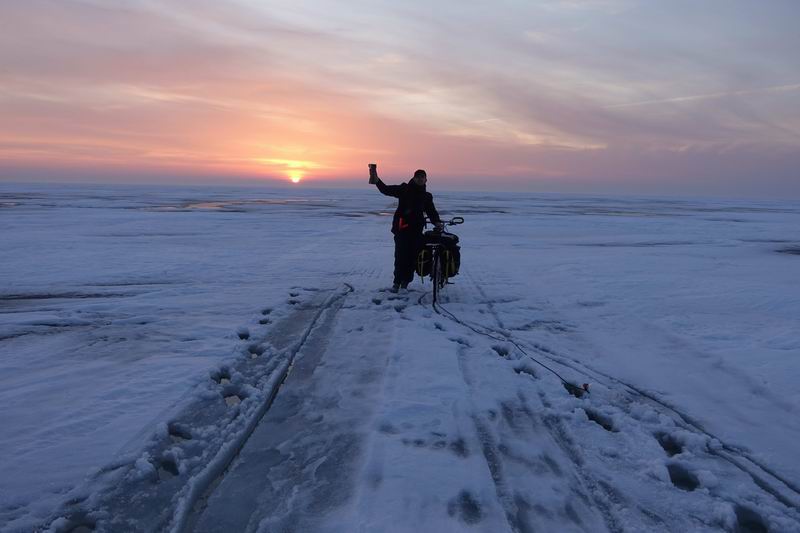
(439, 256)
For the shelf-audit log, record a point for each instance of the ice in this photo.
(164, 350)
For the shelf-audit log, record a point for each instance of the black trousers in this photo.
(406, 247)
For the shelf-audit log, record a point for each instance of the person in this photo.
(414, 202)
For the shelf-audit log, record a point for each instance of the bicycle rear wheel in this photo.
(436, 274)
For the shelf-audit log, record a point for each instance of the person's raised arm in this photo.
(388, 190)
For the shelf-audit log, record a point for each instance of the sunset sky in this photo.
(635, 96)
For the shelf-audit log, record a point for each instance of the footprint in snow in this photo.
(167, 468)
(459, 447)
(460, 340)
(388, 428)
(669, 443)
(221, 376)
(466, 507)
(600, 419)
(233, 400)
(233, 395)
(178, 432)
(79, 522)
(501, 350)
(526, 370)
(255, 350)
(682, 477)
(749, 521)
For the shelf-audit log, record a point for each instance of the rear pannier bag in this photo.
(451, 255)
(452, 260)
(423, 266)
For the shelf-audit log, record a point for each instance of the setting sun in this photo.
(295, 177)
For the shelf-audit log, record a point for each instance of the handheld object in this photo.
(373, 173)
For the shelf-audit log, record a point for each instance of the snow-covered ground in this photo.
(229, 359)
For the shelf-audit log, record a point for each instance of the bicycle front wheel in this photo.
(436, 275)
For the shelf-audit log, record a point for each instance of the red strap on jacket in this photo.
(401, 224)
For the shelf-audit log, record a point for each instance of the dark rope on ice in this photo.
(573, 389)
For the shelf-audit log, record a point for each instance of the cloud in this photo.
(711, 96)
(569, 89)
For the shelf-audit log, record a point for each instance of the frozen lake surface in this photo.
(146, 336)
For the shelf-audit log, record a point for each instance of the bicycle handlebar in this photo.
(452, 222)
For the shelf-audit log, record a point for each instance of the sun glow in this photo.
(294, 169)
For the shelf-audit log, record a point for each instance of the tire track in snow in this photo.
(486, 300)
(770, 481)
(300, 466)
(513, 499)
(489, 449)
(148, 492)
(764, 477)
(201, 486)
(604, 496)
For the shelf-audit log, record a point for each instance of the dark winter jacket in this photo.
(414, 202)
